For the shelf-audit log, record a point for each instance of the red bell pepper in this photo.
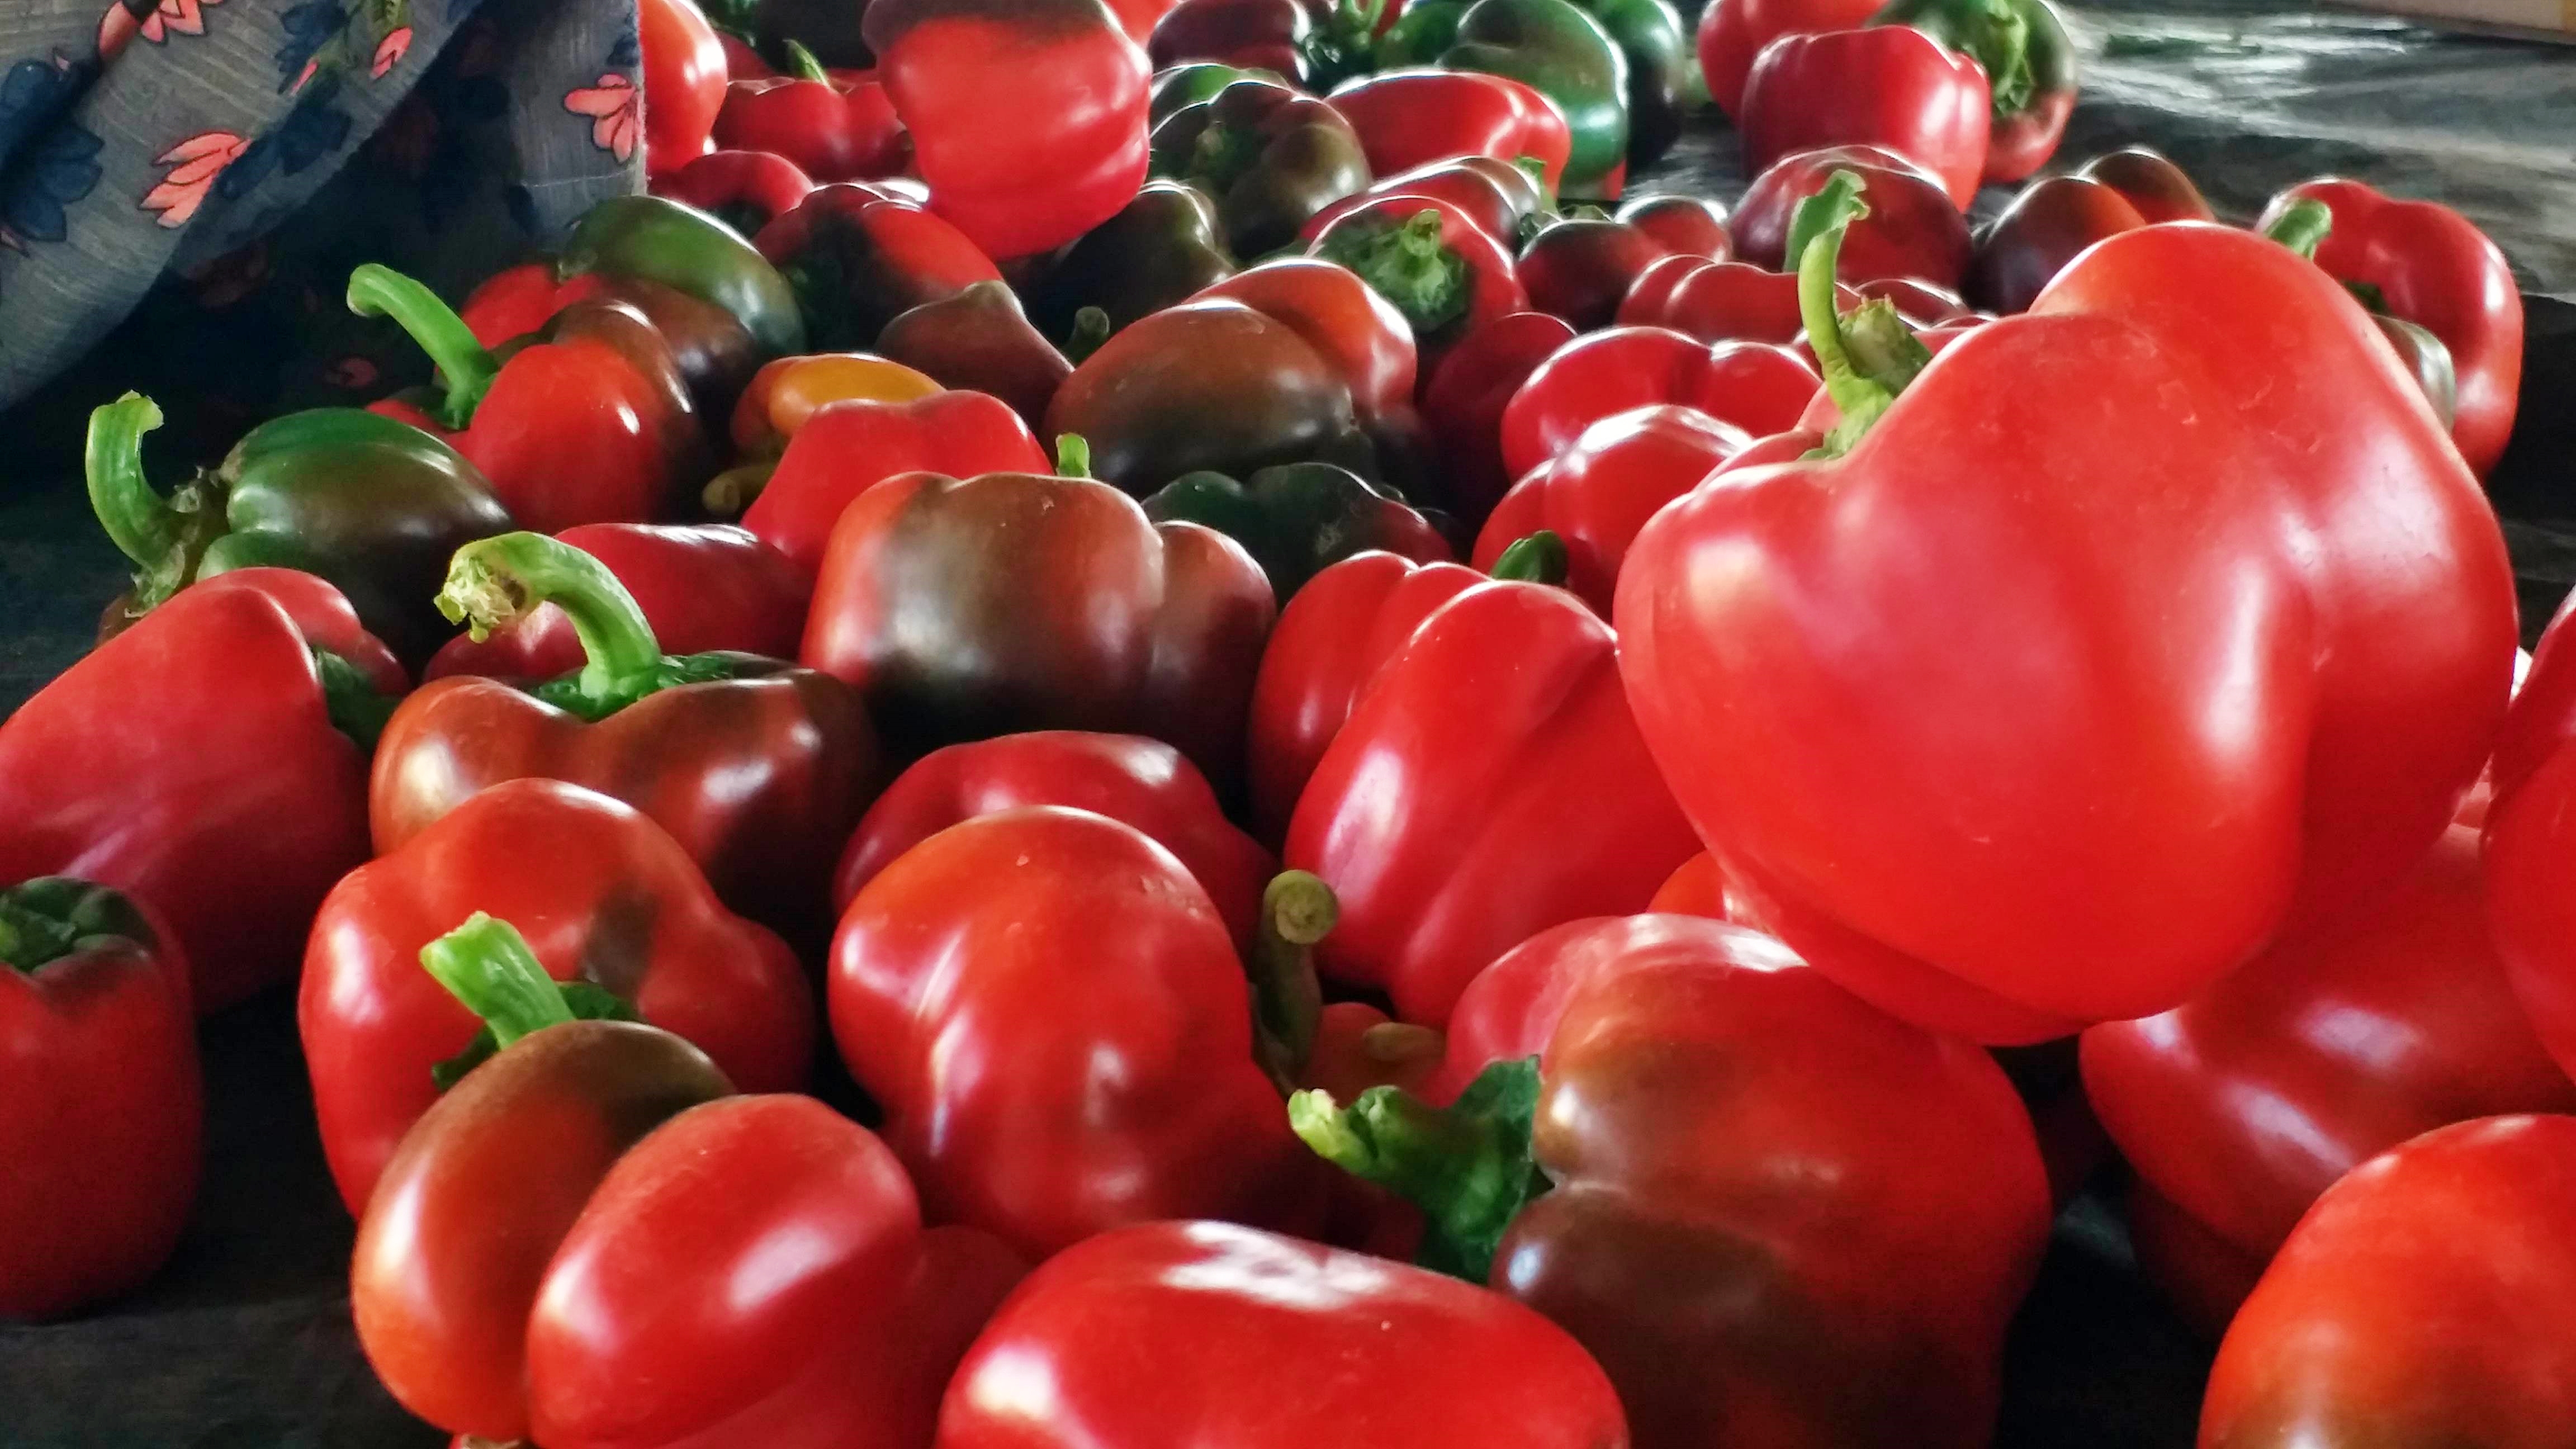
(858, 258)
(715, 352)
(850, 447)
(1343, 318)
(746, 190)
(832, 127)
(2150, 182)
(1697, 889)
(2543, 718)
(1599, 491)
(980, 341)
(2331, 1047)
(1141, 1094)
(684, 73)
(787, 392)
(2424, 263)
(98, 1063)
(1463, 401)
(1066, 151)
(1733, 32)
(591, 422)
(1774, 1214)
(1408, 118)
(2429, 1298)
(756, 767)
(1912, 230)
(926, 605)
(2028, 60)
(1695, 226)
(2530, 842)
(1887, 86)
(2222, 567)
(1720, 301)
(1502, 198)
(1431, 260)
(1130, 779)
(1447, 837)
(1254, 1341)
(1581, 268)
(603, 897)
(211, 762)
(1753, 386)
(2049, 223)
(1309, 43)
(702, 588)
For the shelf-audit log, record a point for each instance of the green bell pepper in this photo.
(1661, 64)
(687, 250)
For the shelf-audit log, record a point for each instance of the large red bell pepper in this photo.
(858, 258)
(1733, 32)
(2028, 61)
(1408, 118)
(702, 587)
(1450, 834)
(1887, 86)
(1063, 154)
(1138, 1093)
(1913, 229)
(714, 349)
(849, 447)
(746, 190)
(1780, 1218)
(1754, 386)
(602, 895)
(98, 1066)
(2428, 1298)
(1463, 398)
(831, 127)
(2531, 843)
(1598, 492)
(1342, 318)
(684, 73)
(1431, 260)
(756, 767)
(1253, 1341)
(2424, 263)
(2252, 665)
(1719, 301)
(210, 761)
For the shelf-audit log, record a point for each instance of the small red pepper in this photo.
(1463, 399)
(2047, 225)
(1582, 268)
(684, 72)
(1753, 386)
(851, 446)
(105, 1118)
(1732, 33)
(832, 127)
(1720, 301)
(1431, 259)
(2028, 60)
(1413, 117)
(1343, 318)
(602, 897)
(981, 341)
(1887, 86)
(1598, 492)
(1695, 226)
(714, 350)
(1912, 230)
(745, 190)
(858, 258)
(1502, 198)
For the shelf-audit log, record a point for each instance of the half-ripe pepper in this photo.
(369, 503)
(856, 258)
(1463, 401)
(1503, 198)
(1597, 493)
(1413, 117)
(2331, 1047)
(98, 1063)
(1163, 245)
(684, 72)
(2048, 224)
(2159, 189)
(980, 341)
(1027, 118)
(1553, 46)
(1212, 385)
(1315, 46)
(757, 768)
(1732, 33)
(655, 239)
(1270, 156)
(1342, 318)
(1912, 231)
(1582, 268)
(2424, 263)
(925, 605)
(601, 895)
(2029, 62)
(1080, 961)
(852, 446)
(1692, 225)
(1331, 639)
(1440, 268)
(210, 761)
(1657, 50)
(834, 128)
(1129, 778)
(743, 189)
(2531, 841)
(702, 587)
(1778, 1217)
(589, 421)
(787, 392)
(1299, 518)
(2429, 1298)
(716, 353)
(1446, 834)
(1720, 301)
(1263, 1342)
(1888, 86)
(2297, 549)
(1754, 386)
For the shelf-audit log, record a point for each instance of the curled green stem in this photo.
(138, 520)
(1297, 910)
(1468, 1166)
(1866, 359)
(496, 581)
(465, 365)
(2303, 226)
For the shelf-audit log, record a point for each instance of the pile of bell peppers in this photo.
(1419, 800)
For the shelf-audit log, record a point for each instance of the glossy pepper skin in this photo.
(2151, 182)
(2047, 225)
(715, 352)
(851, 446)
(1731, 33)
(2367, 664)
(1315, 46)
(1414, 116)
(197, 762)
(743, 189)
(1778, 1217)
(1753, 386)
(1298, 519)
(1912, 231)
(1135, 1097)
(655, 239)
(1431, 259)
(2530, 843)
(1498, 196)
(589, 422)
(684, 71)
(1581, 268)
(1446, 837)
(2029, 62)
(2428, 1298)
(788, 391)
(756, 767)
(1598, 492)
(1554, 47)
(1270, 156)
(1660, 61)
(98, 1059)
(601, 896)
(2333, 1046)
(2428, 265)
(1016, 189)
(833, 128)
(857, 258)
(1695, 226)
(1380, 1353)
(370, 504)
(1342, 318)
(1464, 397)
(981, 341)
(1165, 244)
(1719, 301)
(702, 587)
(926, 607)
(1888, 86)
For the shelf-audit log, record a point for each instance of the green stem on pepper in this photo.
(1539, 558)
(1468, 1166)
(465, 366)
(1072, 456)
(486, 964)
(802, 65)
(496, 581)
(1867, 357)
(1409, 265)
(2303, 227)
(138, 520)
(1297, 910)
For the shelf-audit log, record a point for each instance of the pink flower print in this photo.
(115, 28)
(616, 109)
(303, 75)
(194, 164)
(389, 52)
(168, 18)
